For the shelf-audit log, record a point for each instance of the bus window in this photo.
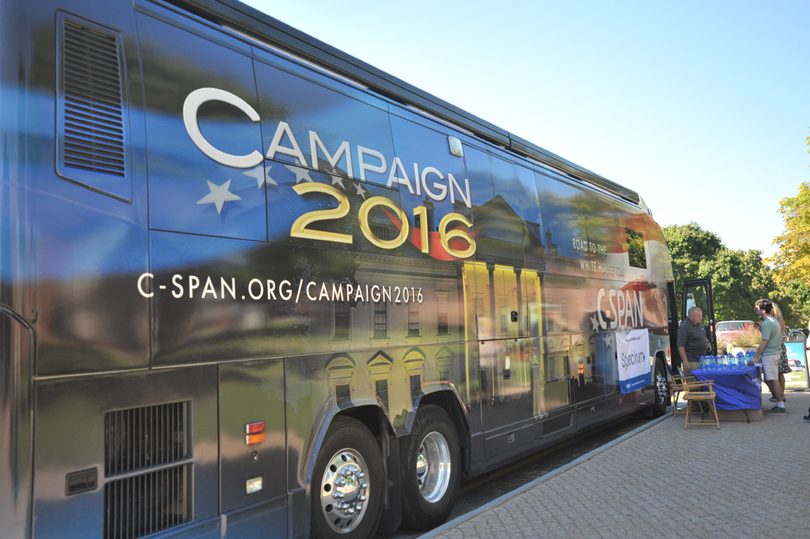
(635, 248)
(505, 223)
(605, 254)
(201, 112)
(312, 121)
(563, 225)
(433, 187)
(480, 176)
(632, 226)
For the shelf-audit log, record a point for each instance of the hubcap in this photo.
(344, 491)
(433, 467)
(663, 390)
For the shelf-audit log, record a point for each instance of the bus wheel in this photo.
(431, 469)
(661, 390)
(348, 483)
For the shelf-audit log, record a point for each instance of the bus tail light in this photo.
(255, 433)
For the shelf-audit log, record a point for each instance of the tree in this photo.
(791, 261)
(689, 245)
(691, 242)
(739, 278)
(794, 300)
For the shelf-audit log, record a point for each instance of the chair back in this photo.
(700, 391)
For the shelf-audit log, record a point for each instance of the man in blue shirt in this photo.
(769, 350)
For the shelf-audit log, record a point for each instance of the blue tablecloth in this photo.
(738, 389)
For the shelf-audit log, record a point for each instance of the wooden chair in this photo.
(698, 392)
(677, 388)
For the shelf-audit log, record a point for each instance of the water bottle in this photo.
(712, 363)
(703, 362)
(741, 362)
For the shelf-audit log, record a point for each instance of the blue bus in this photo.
(251, 286)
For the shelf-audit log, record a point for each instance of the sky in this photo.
(700, 107)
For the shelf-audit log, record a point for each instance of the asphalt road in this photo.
(483, 489)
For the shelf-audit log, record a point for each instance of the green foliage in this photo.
(739, 278)
(791, 261)
(793, 298)
(691, 242)
(689, 245)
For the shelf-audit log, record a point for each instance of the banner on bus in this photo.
(633, 356)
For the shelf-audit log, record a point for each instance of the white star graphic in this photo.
(218, 195)
(301, 174)
(360, 190)
(262, 175)
(339, 181)
(594, 322)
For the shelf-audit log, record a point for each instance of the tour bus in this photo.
(251, 286)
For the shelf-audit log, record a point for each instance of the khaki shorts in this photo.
(770, 366)
(695, 366)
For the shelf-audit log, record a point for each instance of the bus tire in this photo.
(348, 483)
(431, 469)
(659, 406)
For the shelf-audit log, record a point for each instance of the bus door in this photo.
(506, 355)
(698, 292)
(674, 321)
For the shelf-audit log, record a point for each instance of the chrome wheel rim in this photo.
(344, 491)
(433, 467)
(663, 390)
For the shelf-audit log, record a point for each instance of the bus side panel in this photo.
(251, 393)
(16, 431)
(84, 240)
(265, 520)
(120, 193)
(98, 425)
(92, 316)
(17, 335)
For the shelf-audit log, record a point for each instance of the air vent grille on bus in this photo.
(141, 438)
(146, 504)
(92, 138)
(94, 123)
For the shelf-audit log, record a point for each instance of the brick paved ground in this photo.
(744, 480)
